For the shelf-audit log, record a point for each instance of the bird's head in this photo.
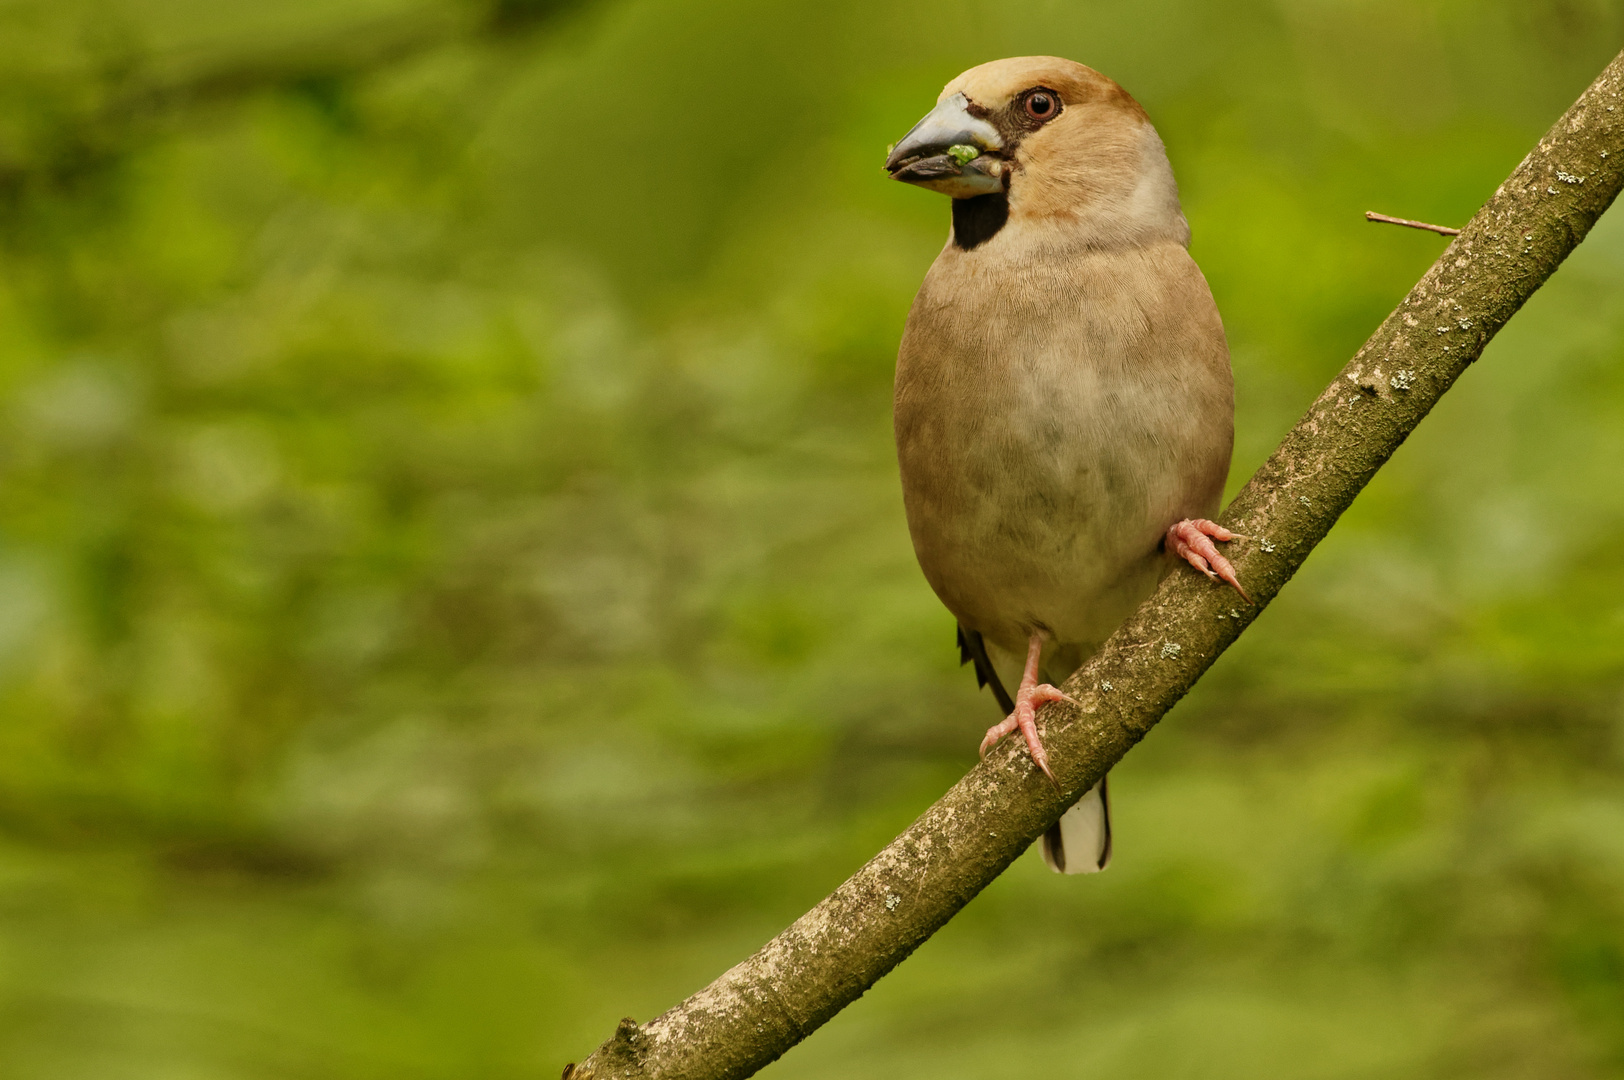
(1052, 142)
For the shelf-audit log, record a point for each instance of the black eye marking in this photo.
(1042, 105)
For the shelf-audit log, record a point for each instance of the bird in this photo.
(1064, 403)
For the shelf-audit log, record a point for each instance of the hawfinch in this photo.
(1064, 404)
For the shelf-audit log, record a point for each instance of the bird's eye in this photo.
(1042, 105)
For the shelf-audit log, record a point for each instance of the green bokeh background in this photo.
(454, 591)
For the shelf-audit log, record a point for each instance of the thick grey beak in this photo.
(948, 152)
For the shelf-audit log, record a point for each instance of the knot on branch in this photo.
(624, 1051)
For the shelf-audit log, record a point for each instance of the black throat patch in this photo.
(977, 220)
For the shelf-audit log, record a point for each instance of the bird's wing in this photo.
(972, 648)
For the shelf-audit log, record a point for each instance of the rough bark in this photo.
(759, 1009)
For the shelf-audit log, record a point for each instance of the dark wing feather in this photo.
(972, 648)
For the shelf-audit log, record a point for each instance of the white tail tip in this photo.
(1080, 842)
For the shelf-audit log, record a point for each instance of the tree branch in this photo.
(833, 953)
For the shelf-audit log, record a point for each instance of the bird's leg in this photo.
(1191, 540)
(1027, 699)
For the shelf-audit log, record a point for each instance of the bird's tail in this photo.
(1080, 842)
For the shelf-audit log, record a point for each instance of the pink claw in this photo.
(1189, 541)
(1027, 699)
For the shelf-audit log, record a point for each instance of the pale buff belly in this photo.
(1036, 522)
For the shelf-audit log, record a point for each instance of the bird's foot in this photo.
(1024, 719)
(1192, 541)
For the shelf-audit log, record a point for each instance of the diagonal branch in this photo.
(832, 954)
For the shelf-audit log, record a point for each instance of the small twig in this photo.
(1371, 215)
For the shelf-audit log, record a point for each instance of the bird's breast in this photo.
(1052, 420)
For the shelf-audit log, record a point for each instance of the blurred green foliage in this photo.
(453, 589)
